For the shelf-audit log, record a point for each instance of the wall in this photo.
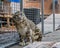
(6, 6)
(15, 7)
(37, 4)
(30, 4)
(59, 5)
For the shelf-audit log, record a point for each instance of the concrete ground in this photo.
(54, 37)
(16, 46)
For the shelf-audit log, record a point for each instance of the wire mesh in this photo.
(31, 8)
(10, 7)
(47, 13)
(7, 8)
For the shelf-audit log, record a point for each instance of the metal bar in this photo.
(21, 5)
(53, 15)
(21, 9)
(42, 11)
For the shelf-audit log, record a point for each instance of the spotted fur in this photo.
(26, 28)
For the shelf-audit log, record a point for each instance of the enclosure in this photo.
(44, 13)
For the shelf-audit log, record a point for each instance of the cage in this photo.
(44, 13)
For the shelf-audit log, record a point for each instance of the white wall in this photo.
(15, 7)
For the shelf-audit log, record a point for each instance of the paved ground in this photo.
(54, 36)
(16, 46)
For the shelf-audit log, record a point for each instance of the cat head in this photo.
(18, 17)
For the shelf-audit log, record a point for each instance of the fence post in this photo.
(21, 5)
(53, 15)
(42, 19)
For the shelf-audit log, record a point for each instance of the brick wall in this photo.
(37, 4)
(31, 4)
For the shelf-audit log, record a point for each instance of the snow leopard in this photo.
(27, 30)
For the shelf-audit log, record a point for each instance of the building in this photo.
(5, 14)
(37, 4)
(7, 8)
(32, 9)
(15, 6)
(59, 4)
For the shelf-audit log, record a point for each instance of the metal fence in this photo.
(44, 13)
(34, 10)
(38, 16)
